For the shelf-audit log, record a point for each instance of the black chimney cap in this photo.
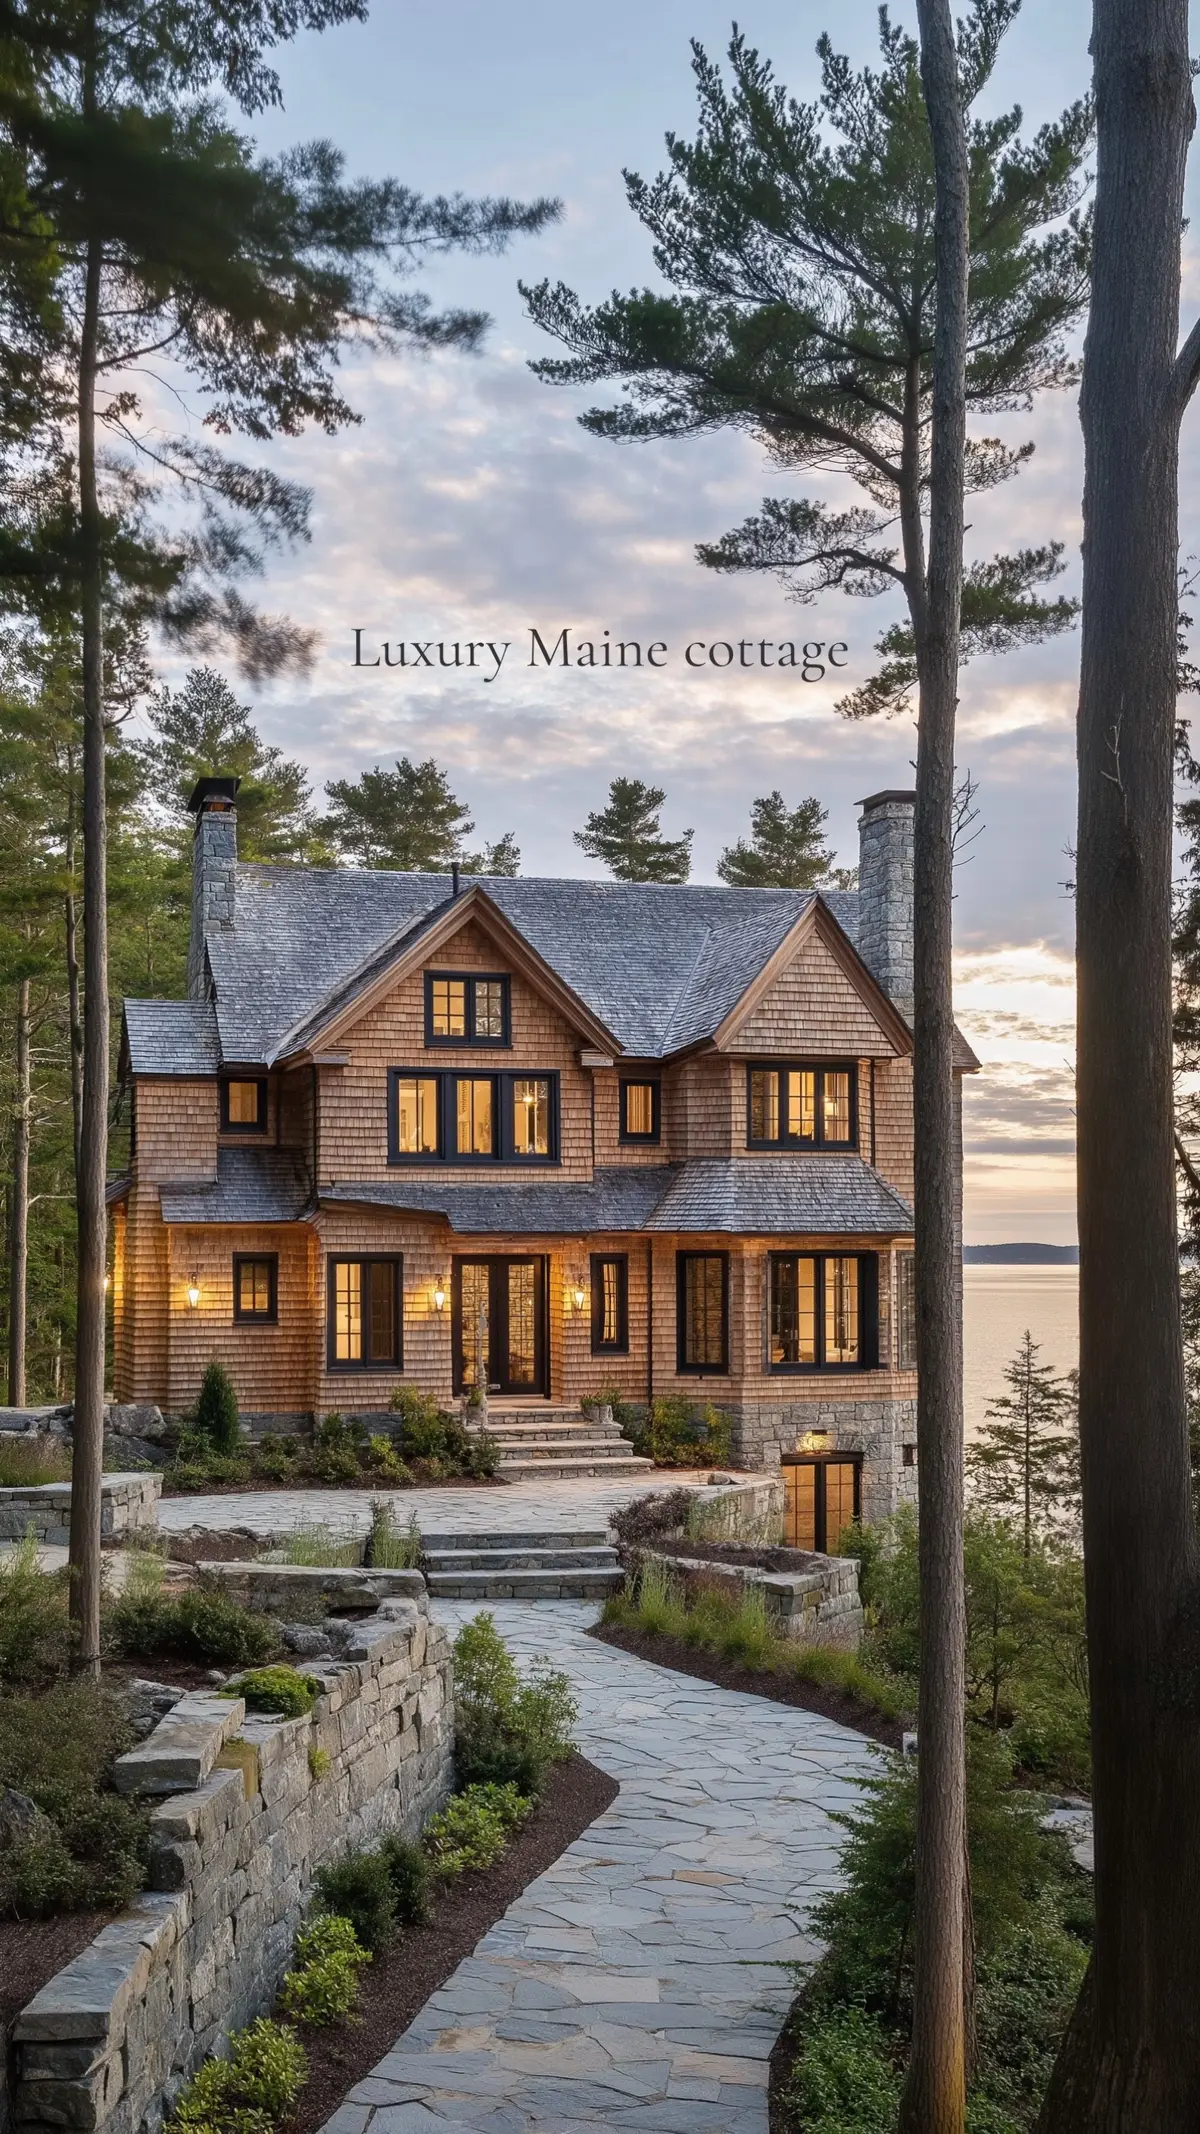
(206, 789)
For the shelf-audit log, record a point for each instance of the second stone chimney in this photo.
(885, 893)
(214, 868)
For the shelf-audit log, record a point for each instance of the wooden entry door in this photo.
(499, 1307)
(821, 1498)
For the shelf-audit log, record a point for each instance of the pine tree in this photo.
(626, 836)
(786, 849)
(410, 820)
(503, 858)
(1025, 1461)
(202, 731)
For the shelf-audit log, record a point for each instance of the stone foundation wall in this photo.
(817, 1606)
(878, 1430)
(128, 1505)
(240, 1824)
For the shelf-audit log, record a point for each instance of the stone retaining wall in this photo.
(241, 1821)
(128, 1505)
(746, 1512)
(818, 1605)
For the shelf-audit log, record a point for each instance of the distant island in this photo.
(1028, 1255)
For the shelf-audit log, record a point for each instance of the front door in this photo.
(821, 1498)
(499, 1311)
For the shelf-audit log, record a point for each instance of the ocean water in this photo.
(998, 1304)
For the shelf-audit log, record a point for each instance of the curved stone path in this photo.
(634, 1986)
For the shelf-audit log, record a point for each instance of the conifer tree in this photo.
(627, 837)
(1025, 1460)
(202, 731)
(786, 849)
(410, 820)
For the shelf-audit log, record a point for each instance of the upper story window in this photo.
(465, 1008)
(799, 1106)
(641, 1111)
(244, 1106)
(473, 1118)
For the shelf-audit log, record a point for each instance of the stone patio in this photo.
(634, 1984)
(516, 1508)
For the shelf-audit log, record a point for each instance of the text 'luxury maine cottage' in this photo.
(538, 1137)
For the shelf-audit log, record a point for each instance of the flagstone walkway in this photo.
(516, 1508)
(633, 1985)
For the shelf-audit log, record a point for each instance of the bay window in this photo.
(472, 1118)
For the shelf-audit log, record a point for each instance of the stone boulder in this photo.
(138, 1419)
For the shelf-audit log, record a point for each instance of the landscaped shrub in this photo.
(279, 1689)
(35, 1629)
(675, 1432)
(217, 1419)
(30, 1462)
(201, 1623)
(438, 1444)
(507, 1729)
(386, 1547)
(474, 1827)
(318, 1544)
(408, 1872)
(845, 2080)
(359, 1888)
(250, 2091)
(58, 1750)
(322, 1984)
(650, 1519)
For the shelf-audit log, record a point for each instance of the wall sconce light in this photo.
(814, 1441)
(107, 1283)
(439, 1296)
(193, 1292)
(579, 1296)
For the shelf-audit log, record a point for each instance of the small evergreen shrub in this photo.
(251, 2090)
(202, 1623)
(439, 1444)
(507, 1729)
(35, 1628)
(58, 1750)
(278, 1689)
(408, 1872)
(472, 1830)
(322, 1985)
(844, 2081)
(359, 1888)
(217, 1419)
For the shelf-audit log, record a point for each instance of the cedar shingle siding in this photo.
(319, 987)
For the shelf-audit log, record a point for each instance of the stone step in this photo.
(524, 1470)
(536, 1448)
(535, 1412)
(534, 1431)
(573, 1538)
(524, 1585)
(513, 1558)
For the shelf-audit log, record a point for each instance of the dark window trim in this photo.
(239, 1126)
(502, 1081)
(792, 1142)
(868, 1315)
(700, 1370)
(470, 979)
(271, 1261)
(394, 1260)
(905, 1361)
(820, 1508)
(601, 1347)
(641, 1081)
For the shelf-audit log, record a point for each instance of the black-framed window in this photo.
(906, 1311)
(821, 1497)
(823, 1311)
(467, 1008)
(610, 1303)
(800, 1104)
(702, 1311)
(641, 1109)
(256, 1288)
(244, 1104)
(472, 1118)
(363, 1313)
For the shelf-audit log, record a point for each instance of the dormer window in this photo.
(244, 1106)
(794, 1106)
(463, 1008)
(640, 1111)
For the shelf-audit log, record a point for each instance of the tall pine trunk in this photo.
(88, 1456)
(74, 1002)
(18, 1238)
(1130, 2063)
(934, 2097)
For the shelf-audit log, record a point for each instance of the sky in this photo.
(470, 505)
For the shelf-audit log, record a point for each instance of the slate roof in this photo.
(172, 1037)
(660, 965)
(776, 1196)
(252, 1186)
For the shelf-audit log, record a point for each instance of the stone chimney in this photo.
(214, 866)
(885, 893)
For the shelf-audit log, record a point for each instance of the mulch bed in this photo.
(32, 1950)
(397, 1984)
(177, 1674)
(784, 2051)
(805, 1696)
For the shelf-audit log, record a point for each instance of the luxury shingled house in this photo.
(543, 1137)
